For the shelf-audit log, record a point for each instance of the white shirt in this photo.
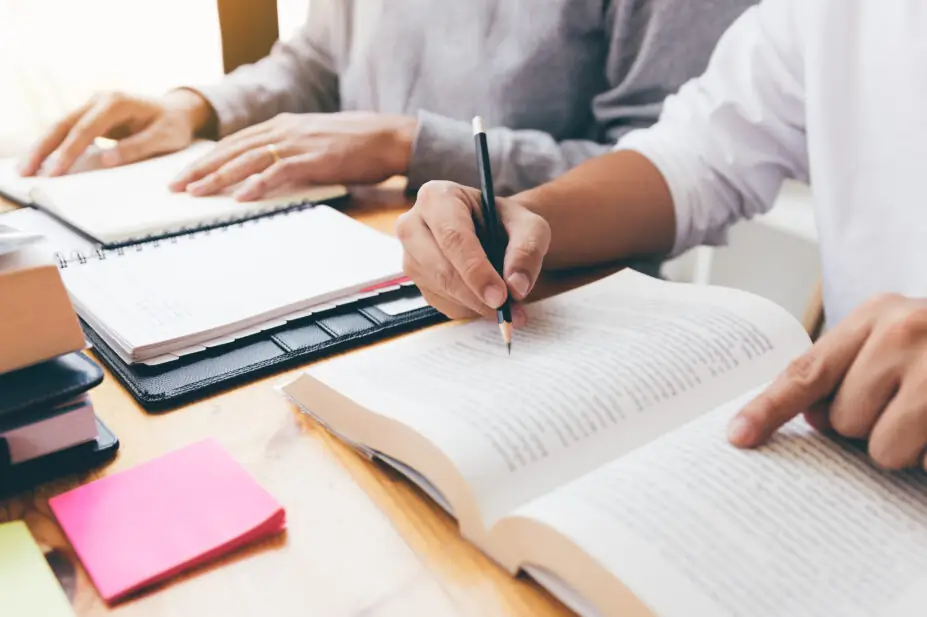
(831, 92)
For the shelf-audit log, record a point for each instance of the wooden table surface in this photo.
(360, 540)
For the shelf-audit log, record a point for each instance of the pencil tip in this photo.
(509, 345)
(506, 329)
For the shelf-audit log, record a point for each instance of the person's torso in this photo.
(865, 78)
(523, 64)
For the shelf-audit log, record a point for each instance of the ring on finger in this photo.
(272, 148)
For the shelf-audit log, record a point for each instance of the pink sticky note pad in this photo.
(144, 525)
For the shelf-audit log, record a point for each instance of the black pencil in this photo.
(492, 228)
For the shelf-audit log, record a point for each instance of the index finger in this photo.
(51, 140)
(809, 379)
(450, 219)
(222, 153)
(96, 122)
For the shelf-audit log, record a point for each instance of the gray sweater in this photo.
(558, 81)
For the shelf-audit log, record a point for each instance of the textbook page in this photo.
(598, 371)
(803, 526)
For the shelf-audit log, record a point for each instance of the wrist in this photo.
(534, 199)
(403, 137)
(194, 108)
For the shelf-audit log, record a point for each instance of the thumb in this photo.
(529, 240)
(134, 148)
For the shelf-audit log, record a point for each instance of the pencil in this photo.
(492, 229)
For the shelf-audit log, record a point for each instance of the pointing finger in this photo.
(809, 379)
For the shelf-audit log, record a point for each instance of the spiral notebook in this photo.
(130, 204)
(160, 300)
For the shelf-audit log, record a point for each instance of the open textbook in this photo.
(133, 203)
(595, 457)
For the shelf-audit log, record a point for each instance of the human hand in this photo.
(865, 379)
(338, 148)
(444, 257)
(143, 127)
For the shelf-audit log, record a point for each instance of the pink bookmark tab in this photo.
(139, 527)
(390, 283)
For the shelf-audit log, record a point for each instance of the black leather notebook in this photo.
(28, 395)
(43, 386)
(163, 387)
(58, 465)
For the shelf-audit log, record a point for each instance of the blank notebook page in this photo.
(212, 283)
(131, 202)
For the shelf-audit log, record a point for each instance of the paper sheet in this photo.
(12, 239)
(144, 525)
(67, 243)
(27, 584)
(131, 202)
(233, 279)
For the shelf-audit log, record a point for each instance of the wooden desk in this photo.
(360, 541)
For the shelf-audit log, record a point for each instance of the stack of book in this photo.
(47, 422)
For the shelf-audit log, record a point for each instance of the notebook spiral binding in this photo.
(182, 234)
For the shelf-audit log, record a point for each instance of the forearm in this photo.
(610, 208)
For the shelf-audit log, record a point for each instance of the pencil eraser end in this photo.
(477, 125)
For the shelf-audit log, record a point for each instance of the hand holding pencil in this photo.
(446, 253)
(492, 231)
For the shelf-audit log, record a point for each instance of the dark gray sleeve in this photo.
(298, 76)
(655, 46)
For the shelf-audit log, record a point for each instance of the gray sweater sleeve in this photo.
(655, 46)
(298, 76)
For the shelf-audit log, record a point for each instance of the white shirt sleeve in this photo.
(728, 139)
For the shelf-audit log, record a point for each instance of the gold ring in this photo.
(273, 152)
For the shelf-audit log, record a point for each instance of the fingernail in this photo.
(110, 158)
(519, 317)
(493, 296)
(520, 284)
(740, 431)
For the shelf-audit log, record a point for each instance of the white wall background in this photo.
(54, 54)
